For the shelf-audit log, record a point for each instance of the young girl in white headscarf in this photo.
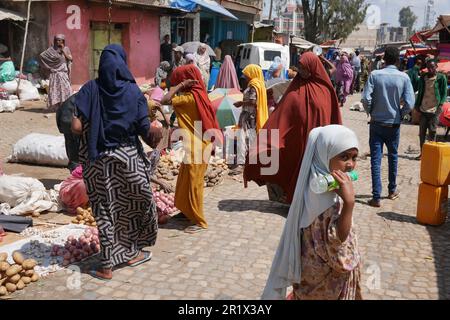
(318, 253)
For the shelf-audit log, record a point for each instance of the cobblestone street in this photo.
(402, 259)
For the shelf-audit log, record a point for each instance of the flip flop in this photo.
(93, 273)
(147, 257)
(194, 229)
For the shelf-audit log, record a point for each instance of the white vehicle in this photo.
(261, 53)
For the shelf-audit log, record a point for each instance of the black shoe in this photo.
(374, 203)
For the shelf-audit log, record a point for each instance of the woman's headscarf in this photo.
(202, 60)
(319, 77)
(324, 143)
(344, 70)
(227, 77)
(113, 104)
(162, 71)
(190, 58)
(52, 60)
(59, 36)
(198, 90)
(254, 73)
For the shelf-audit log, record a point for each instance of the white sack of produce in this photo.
(9, 105)
(10, 86)
(27, 91)
(43, 149)
(22, 195)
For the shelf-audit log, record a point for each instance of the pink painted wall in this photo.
(140, 38)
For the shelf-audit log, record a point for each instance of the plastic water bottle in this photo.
(326, 183)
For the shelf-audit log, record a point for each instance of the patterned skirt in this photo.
(118, 185)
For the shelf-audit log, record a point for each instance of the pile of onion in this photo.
(76, 250)
(165, 205)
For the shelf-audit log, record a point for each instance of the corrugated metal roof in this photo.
(6, 14)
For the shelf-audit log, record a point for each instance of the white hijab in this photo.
(202, 60)
(324, 143)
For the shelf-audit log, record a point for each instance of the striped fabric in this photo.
(118, 186)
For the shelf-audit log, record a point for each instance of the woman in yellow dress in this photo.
(195, 117)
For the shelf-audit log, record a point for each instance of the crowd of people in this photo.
(318, 253)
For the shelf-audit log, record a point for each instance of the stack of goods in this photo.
(76, 250)
(444, 51)
(168, 170)
(18, 275)
(84, 216)
(433, 191)
(164, 205)
(217, 170)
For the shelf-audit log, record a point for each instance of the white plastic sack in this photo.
(10, 86)
(43, 149)
(9, 105)
(27, 91)
(22, 195)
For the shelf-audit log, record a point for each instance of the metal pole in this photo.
(24, 45)
(253, 30)
(109, 21)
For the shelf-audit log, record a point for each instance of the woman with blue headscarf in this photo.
(111, 113)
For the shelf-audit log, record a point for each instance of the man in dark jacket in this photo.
(432, 95)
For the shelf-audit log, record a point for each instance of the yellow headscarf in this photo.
(255, 74)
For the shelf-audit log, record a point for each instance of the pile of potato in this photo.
(17, 276)
(168, 170)
(84, 216)
(216, 173)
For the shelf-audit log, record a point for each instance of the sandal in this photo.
(147, 257)
(99, 275)
(194, 229)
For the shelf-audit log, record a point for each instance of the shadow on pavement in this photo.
(265, 206)
(38, 110)
(177, 222)
(398, 217)
(440, 241)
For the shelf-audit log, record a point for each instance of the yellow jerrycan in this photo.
(432, 204)
(435, 164)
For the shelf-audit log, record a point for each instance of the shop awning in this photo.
(10, 15)
(443, 22)
(331, 43)
(302, 43)
(190, 5)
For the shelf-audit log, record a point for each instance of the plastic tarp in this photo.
(190, 5)
(10, 15)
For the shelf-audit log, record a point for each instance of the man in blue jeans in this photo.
(383, 93)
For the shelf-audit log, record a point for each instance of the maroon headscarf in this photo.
(198, 90)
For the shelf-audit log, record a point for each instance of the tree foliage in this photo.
(407, 18)
(332, 19)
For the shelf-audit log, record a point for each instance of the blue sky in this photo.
(390, 9)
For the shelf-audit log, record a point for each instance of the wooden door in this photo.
(99, 40)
